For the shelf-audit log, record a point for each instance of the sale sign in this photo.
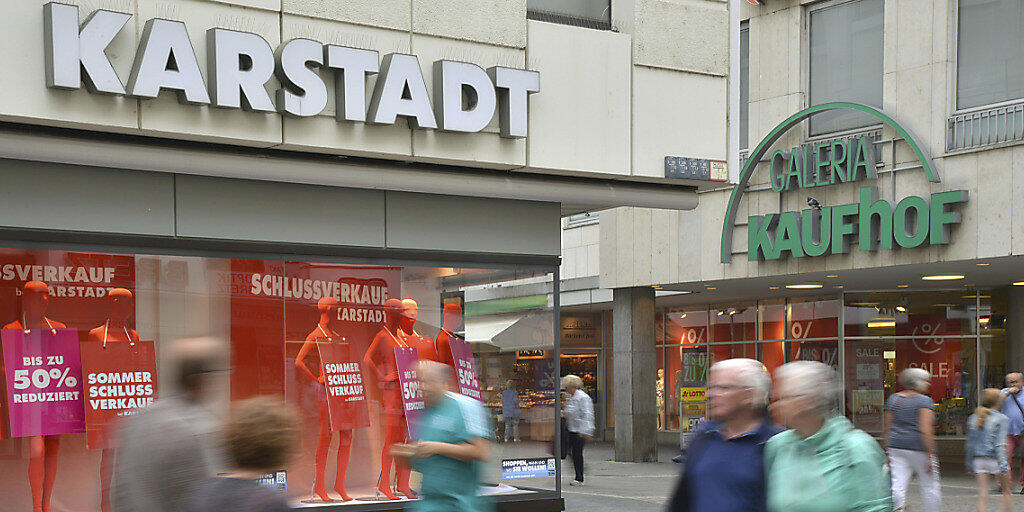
(343, 378)
(412, 397)
(465, 367)
(120, 379)
(43, 372)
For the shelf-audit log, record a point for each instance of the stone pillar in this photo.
(635, 373)
(1014, 329)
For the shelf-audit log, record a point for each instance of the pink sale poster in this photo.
(412, 397)
(43, 372)
(465, 368)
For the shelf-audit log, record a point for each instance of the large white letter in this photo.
(400, 91)
(513, 86)
(304, 93)
(70, 51)
(166, 60)
(464, 98)
(351, 66)
(239, 65)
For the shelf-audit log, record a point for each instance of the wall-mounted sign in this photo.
(870, 223)
(531, 354)
(239, 65)
(695, 168)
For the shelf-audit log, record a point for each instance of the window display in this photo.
(338, 342)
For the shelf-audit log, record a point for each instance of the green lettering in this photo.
(759, 244)
(822, 159)
(863, 159)
(941, 219)
(875, 221)
(911, 231)
(787, 236)
(841, 229)
(796, 170)
(779, 162)
(816, 231)
(839, 156)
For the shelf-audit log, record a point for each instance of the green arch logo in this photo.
(775, 134)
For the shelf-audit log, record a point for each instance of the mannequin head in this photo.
(35, 299)
(120, 305)
(392, 313)
(409, 312)
(326, 306)
(452, 317)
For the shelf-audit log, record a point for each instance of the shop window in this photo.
(932, 315)
(595, 14)
(304, 331)
(734, 323)
(992, 361)
(990, 52)
(845, 44)
(745, 86)
(682, 369)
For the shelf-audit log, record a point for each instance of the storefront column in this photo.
(635, 375)
(1014, 329)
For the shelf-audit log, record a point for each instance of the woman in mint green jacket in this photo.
(822, 463)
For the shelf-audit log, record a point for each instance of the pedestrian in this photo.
(985, 451)
(170, 446)
(258, 441)
(453, 433)
(579, 421)
(1012, 402)
(910, 439)
(510, 411)
(724, 468)
(821, 463)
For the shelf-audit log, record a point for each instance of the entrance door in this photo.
(588, 365)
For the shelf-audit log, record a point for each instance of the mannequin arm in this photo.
(300, 360)
(372, 356)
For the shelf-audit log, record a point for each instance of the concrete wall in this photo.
(612, 103)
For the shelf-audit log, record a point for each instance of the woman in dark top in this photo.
(258, 440)
(910, 439)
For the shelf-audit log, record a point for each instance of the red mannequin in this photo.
(380, 356)
(42, 464)
(424, 346)
(452, 320)
(327, 307)
(114, 330)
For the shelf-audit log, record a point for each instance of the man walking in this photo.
(725, 460)
(510, 411)
(1013, 408)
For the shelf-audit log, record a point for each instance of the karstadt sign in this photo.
(239, 65)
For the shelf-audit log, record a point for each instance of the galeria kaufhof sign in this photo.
(240, 64)
(868, 222)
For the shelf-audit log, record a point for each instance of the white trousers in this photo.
(907, 463)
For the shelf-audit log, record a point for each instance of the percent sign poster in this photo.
(465, 368)
(43, 371)
(412, 397)
(120, 379)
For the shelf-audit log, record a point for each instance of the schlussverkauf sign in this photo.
(240, 64)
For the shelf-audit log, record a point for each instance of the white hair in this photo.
(814, 379)
(917, 379)
(752, 373)
(572, 381)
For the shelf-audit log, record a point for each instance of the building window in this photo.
(581, 13)
(845, 61)
(990, 52)
(744, 86)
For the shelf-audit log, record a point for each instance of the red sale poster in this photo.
(43, 373)
(465, 368)
(412, 397)
(119, 379)
(343, 379)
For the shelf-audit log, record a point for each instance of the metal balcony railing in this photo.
(988, 127)
(595, 14)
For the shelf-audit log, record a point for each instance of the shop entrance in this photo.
(588, 365)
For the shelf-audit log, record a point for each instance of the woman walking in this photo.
(579, 420)
(910, 439)
(986, 448)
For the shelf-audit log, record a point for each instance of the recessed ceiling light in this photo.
(1019, 283)
(839, 286)
(902, 286)
(943, 305)
(720, 313)
(982, 264)
(804, 286)
(942, 277)
(712, 288)
(882, 323)
(832, 276)
(971, 296)
(901, 309)
(776, 287)
(682, 315)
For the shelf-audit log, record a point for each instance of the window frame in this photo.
(745, 126)
(954, 60)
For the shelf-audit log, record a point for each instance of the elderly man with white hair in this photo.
(724, 462)
(1013, 408)
(910, 439)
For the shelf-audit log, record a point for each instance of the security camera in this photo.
(813, 203)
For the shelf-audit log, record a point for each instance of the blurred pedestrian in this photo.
(985, 451)
(822, 462)
(724, 462)
(170, 446)
(258, 441)
(910, 439)
(453, 441)
(510, 411)
(579, 421)
(1012, 401)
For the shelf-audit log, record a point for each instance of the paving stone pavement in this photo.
(621, 487)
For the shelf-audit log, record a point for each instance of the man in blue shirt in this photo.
(1013, 401)
(724, 463)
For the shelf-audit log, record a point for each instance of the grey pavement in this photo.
(620, 487)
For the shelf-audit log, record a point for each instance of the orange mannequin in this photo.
(380, 356)
(425, 348)
(452, 320)
(327, 307)
(42, 463)
(114, 330)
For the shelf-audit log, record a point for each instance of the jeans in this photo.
(511, 428)
(904, 464)
(576, 443)
(1011, 446)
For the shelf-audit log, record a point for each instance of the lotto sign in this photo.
(43, 370)
(465, 367)
(694, 394)
(343, 377)
(412, 397)
(120, 379)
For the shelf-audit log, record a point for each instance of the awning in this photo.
(483, 328)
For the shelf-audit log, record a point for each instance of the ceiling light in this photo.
(971, 296)
(942, 277)
(983, 320)
(712, 288)
(885, 322)
(839, 286)
(776, 287)
(943, 305)
(732, 312)
(862, 304)
(682, 315)
(982, 264)
(1019, 283)
(901, 309)
(720, 313)
(832, 276)
(902, 286)
(804, 286)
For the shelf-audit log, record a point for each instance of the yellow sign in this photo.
(692, 394)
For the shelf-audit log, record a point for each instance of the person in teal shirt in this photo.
(453, 434)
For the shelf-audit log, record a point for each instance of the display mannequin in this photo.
(380, 357)
(451, 320)
(425, 348)
(327, 306)
(114, 330)
(42, 463)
